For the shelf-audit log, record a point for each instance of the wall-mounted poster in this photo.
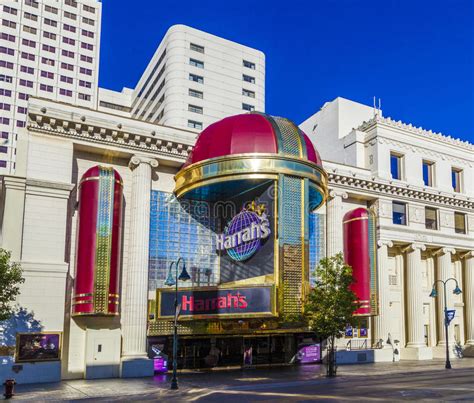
(42, 346)
(349, 332)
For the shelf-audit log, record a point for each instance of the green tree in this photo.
(10, 279)
(330, 305)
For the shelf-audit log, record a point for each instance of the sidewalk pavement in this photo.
(122, 389)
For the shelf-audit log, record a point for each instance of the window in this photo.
(459, 223)
(195, 109)
(67, 66)
(32, 3)
(456, 177)
(7, 51)
(9, 24)
(3, 164)
(28, 70)
(431, 218)
(20, 123)
(396, 161)
(85, 84)
(248, 79)
(87, 59)
(3, 149)
(30, 30)
(7, 93)
(196, 63)
(248, 64)
(89, 9)
(196, 79)
(194, 125)
(8, 65)
(72, 16)
(49, 62)
(248, 107)
(8, 37)
(85, 97)
(10, 10)
(87, 46)
(47, 88)
(47, 74)
(66, 79)
(50, 22)
(428, 173)
(5, 121)
(5, 107)
(69, 28)
(27, 42)
(72, 3)
(69, 41)
(87, 33)
(21, 109)
(399, 213)
(196, 94)
(26, 83)
(49, 48)
(30, 16)
(85, 71)
(5, 78)
(67, 53)
(248, 93)
(27, 56)
(23, 96)
(49, 35)
(114, 106)
(88, 21)
(197, 48)
(50, 9)
(3, 135)
(67, 93)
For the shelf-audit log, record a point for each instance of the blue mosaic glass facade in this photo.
(316, 243)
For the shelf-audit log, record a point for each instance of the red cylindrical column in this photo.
(360, 254)
(96, 286)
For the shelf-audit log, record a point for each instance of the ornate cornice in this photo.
(417, 130)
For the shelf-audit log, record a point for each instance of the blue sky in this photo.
(416, 55)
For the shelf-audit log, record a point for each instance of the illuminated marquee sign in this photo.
(220, 301)
(244, 234)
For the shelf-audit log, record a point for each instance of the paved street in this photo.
(369, 382)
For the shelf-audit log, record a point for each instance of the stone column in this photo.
(382, 320)
(334, 222)
(468, 290)
(414, 297)
(135, 301)
(444, 270)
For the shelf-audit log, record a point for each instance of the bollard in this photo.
(9, 388)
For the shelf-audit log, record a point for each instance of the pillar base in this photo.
(386, 355)
(416, 353)
(468, 350)
(136, 367)
(440, 352)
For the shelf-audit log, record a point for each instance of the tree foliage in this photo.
(10, 279)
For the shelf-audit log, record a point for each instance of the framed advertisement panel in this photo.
(38, 346)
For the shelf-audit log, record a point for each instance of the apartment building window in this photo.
(248, 93)
(5, 78)
(248, 64)
(69, 28)
(30, 30)
(66, 79)
(49, 62)
(49, 48)
(196, 48)
(10, 10)
(26, 83)
(9, 24)
(21, 109)
(85, 97)
(7, 51)
(32, 3)
(85, 84)
(5, 121)
(49, 35)
(396, 165)
(87, 59)
(4, 135)
(69, 15)
(83, 70)
(67, 93)
(72, 3)
(87, 33)
(88, 46)
(20, 123)
(196, 78)
(88, 21)
(195, 109)
(8, 37)
(47, 88)
(459, 223)
(399, 213)
(67, 66)
(3, 164)
(28, 56)
(67, 53)
(27, 42)
(4, 92)
(248, 79)
(248, 107)
(428, 169)
(69, 41)
(3, 149)
(431, 218)
(195, 93)
(29, 16)
(194, 125)
(28, 70)
(7, 65)
(50, 22)
(47, 74)
(89, 9)
(50, 9)
(5, 107)
(456, 178)
(23, 96)
(196, 63)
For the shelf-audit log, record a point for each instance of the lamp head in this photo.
(170, 279)
(433, 293)
(457, 290)
(184, 275)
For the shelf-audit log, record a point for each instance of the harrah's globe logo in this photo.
(244, 234)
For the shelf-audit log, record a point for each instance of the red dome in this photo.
(94, 172)
(247, 134)
(358, 213)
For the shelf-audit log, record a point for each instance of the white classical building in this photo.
(48, 49)
(421, 185)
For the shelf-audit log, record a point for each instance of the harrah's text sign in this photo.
(218, 302)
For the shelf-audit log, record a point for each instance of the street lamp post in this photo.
(170, 281)
(434, 294)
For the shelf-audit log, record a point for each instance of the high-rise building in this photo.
(196, 78)
(48, 49)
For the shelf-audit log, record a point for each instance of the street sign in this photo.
(450, 314)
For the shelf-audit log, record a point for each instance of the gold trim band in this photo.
(355, 219)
